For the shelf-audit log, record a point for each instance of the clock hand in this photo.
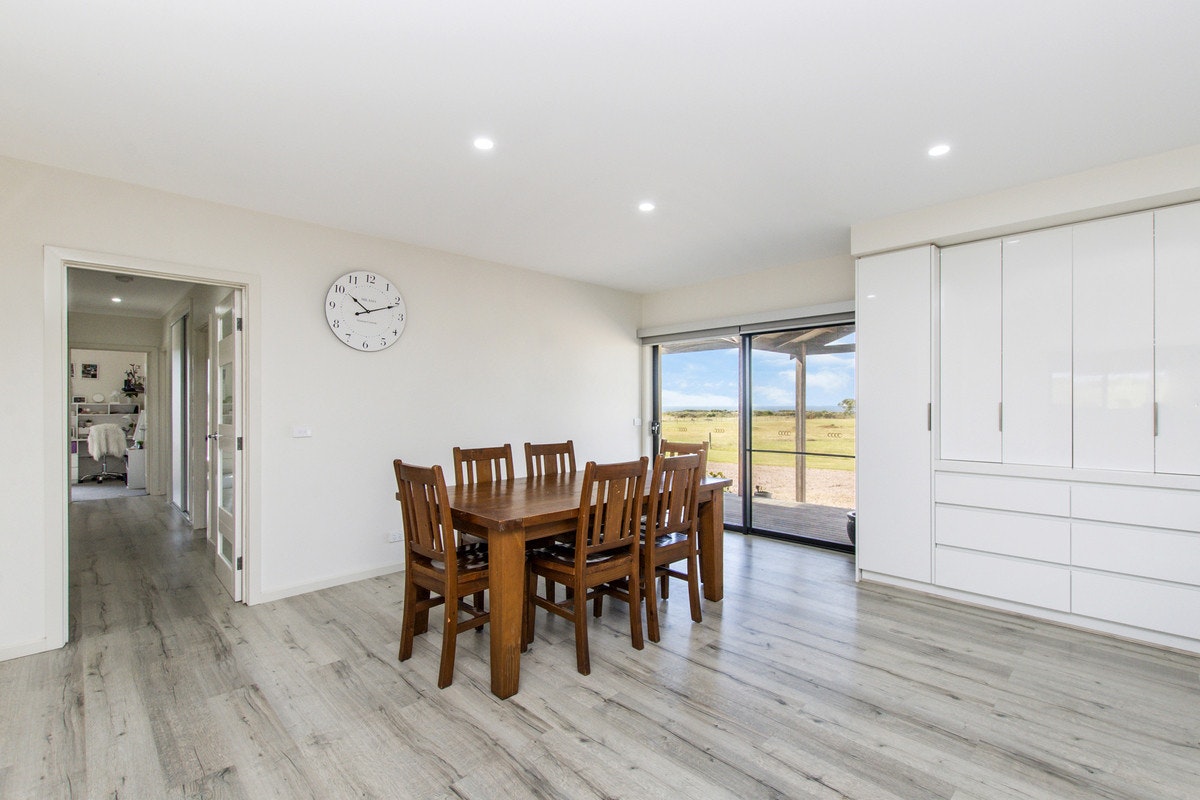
(372, 310)
(365, 310)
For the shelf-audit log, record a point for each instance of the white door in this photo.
(225, 422)
(894, 337)
(1114, 343)
(969, 352)
(1177, 339)
(1036, 341)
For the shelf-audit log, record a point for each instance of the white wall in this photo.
(1136, 185)
(110, 373)
(490, 354)
(783, 289)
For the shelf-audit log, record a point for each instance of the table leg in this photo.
(712, 546)
(506, 585)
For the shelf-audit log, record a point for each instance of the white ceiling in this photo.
(92, 291)
(762, 130)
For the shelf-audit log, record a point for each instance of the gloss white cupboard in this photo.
(893, 320)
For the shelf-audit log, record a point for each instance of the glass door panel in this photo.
(697, 401)
(801, 433)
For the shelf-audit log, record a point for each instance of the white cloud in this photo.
(679, 400)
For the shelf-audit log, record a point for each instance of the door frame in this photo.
(55, 360)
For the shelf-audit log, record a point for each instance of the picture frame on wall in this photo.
(89, 371)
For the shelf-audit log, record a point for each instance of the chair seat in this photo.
(670, 539)
(564, 553)
(471, 556)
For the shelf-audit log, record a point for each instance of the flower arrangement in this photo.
(134, 384)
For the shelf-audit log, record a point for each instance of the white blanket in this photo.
(106, 439)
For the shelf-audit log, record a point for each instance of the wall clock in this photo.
(365, 311)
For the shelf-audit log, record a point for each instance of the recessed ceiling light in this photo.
(645, 206)
(939, 150)
(484, 143)
(116, 299)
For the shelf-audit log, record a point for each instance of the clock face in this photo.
(365, 311)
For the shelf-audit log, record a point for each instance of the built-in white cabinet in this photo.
(1177, 339)
(1113, 313)
(1036, 343)
(1066, 380)
(893, 322)
(969, 355)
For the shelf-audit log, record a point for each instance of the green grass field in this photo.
(772, 430)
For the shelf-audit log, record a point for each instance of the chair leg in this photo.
(409, 623)
(693, 571)
(449, 641)
(665, 586)
(652, 632)
(598, 606)
(583, 659)
(551, 590)
(635, 610)
(528, 610)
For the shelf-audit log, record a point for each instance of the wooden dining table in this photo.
(510, 513)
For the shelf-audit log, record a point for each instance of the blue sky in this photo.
(708, 380)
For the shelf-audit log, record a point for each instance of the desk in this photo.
(510, 513)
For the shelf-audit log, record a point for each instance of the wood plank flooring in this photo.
(800, 684)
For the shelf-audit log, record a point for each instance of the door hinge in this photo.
(239, 443)
(239, 324)
(239, 563)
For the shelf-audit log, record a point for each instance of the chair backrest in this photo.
(549, 459)
(425, 504)
(610, 507)
(685, 448)
(674, 494)
(482, 464)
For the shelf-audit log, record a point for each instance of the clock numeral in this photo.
(366, 345)
(339, 289)
(383, 341)
(347, 335)
(333, 304)
(370, 278)
(353, 279)
(337, 323)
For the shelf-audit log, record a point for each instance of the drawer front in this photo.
(1008, 534)
(1155, 508)
(1003, 494)
(1027, 582)
(1130, 601)
(1164, 555)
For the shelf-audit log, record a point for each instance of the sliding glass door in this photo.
(777, 409)
(800, 427)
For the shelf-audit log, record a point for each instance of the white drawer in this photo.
(1132, 505)
(1040, 538)
(1004, 494)
(1027, 582)
(1141, 603)
(1165, 555)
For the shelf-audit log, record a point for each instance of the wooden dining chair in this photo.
(603, 555)
(671, 532)
(685, 448)
(549, 459)
(482, 464)
(433, 564)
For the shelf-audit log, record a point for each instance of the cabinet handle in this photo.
(1156, 419)
(1001, 406)
(929, 417)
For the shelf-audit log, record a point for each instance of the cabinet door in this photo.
(893, 318)
(1036, 341)
(1177, 339)
(1114, 343)
(969, 352)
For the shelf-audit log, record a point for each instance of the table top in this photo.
(526, 502)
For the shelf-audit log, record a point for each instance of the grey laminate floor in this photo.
(799, 684)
